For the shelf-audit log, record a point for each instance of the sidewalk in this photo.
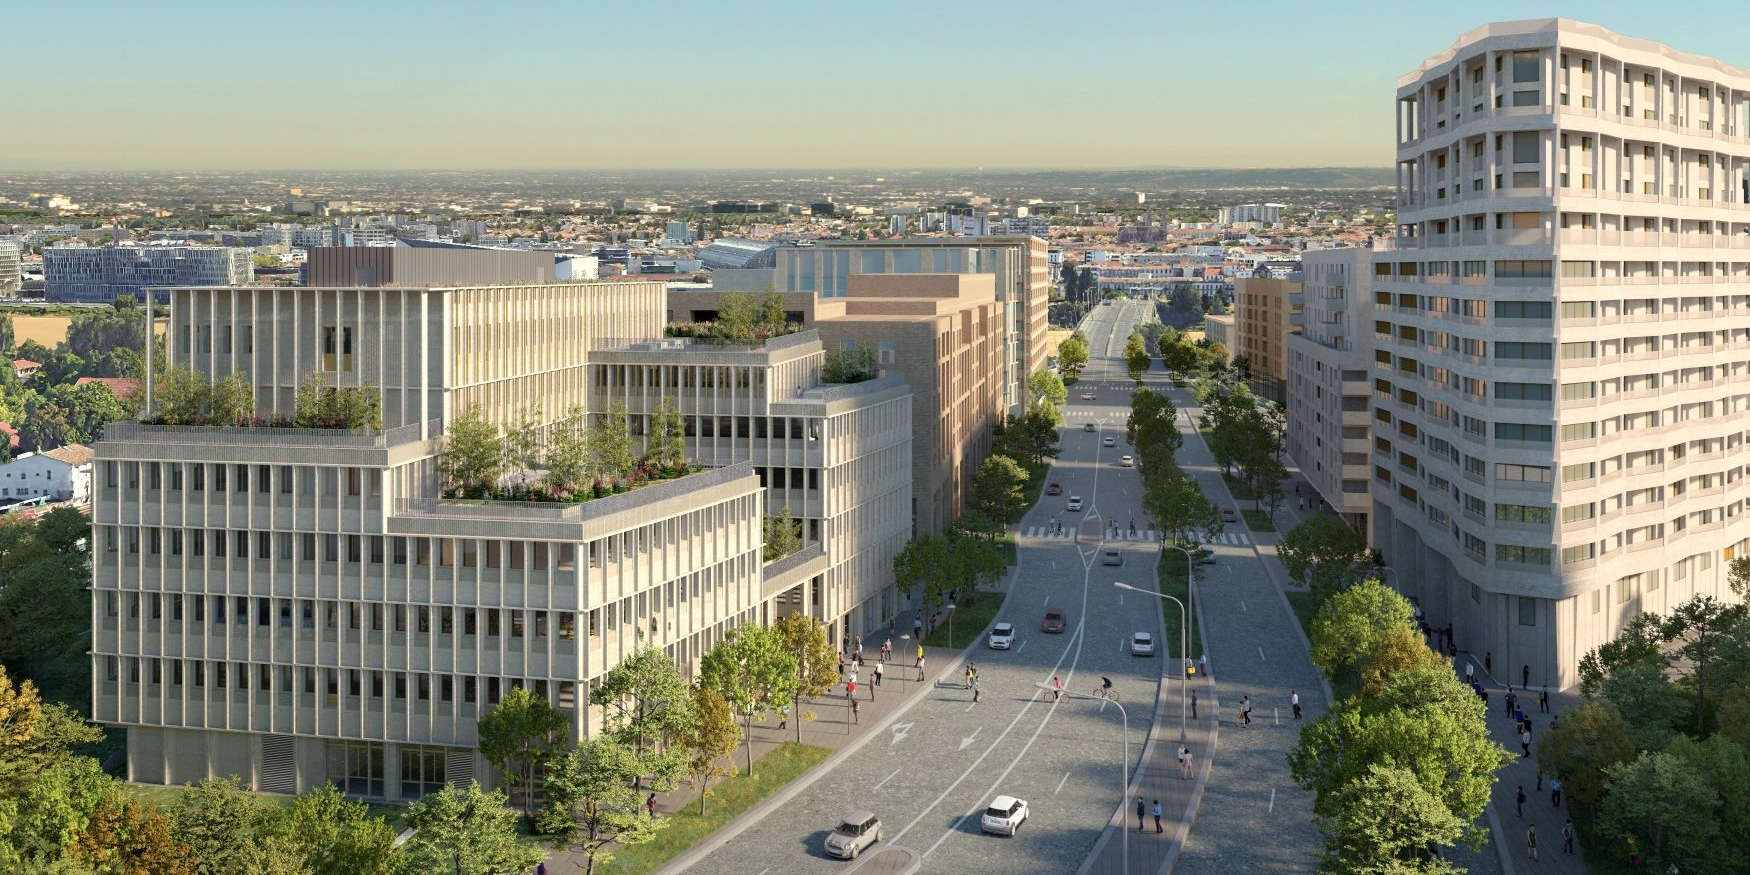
(833, 727)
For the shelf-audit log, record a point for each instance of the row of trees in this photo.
(741, 317)
(1245, 433)
(183, 396)
(569, 460)
(1171, 497)
(1656, 761)
(1406, 764)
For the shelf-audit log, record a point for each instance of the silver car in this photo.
(1142, 644)
(855, 833)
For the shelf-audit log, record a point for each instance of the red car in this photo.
(1228, 515)
(1055, 620)
(1053, 489)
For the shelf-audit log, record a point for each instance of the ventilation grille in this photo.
(279, 764)
(459, 768)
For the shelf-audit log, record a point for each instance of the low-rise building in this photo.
(60, 474)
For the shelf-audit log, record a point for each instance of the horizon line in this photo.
(747, 169)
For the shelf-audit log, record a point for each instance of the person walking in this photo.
(1519, 801)
(1525, 677)
(1568, 838)
(1531, 841)
(886, 649)
(1189, 768)
(1180, 756)
(1157, 812)
(855, 717)
(851, 688)
(1555, 791)
(877, 678)
(975, 690)
(1509, 700)
(1245, 711)
(1193, 704)
(920, 668)
(1141, 813)
(1203, 665)
(1056, 688)
(783, 716)
(969, 674)
(1470, 672)
(1539, 787)
(650, 804)
(1543, 699)
(1294, 700)
(1524, 743)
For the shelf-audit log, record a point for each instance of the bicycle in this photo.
(1104, 693)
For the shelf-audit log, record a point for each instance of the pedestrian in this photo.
(859, 645)
(1525, 677)
(1489, 663)
(877, 678)
(920, 668)
(1193, 704)
(917, 630)
(969, 675)
(1189, 768)
(1519, 801)
(1470, 672)
(1294, 699)
(1245, 711)
(650, 804)
(1543, 699)
(851, 689)
(1539, 787)
(1555, 791)
(540, 869)
(854, 715)
(1141, 812)
(974, 691)
(841, 666)
(1531, 841)
(783, 716)
(1568, 838)
(1510, 700)
(920, 653)
(1485, 694)
(1524, 743)
(1203, 665)
(1056, 688)
(1180, 756)
(886, 649)
(1157, 811)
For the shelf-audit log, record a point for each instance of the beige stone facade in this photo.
(1329, 399)
(1266, 311)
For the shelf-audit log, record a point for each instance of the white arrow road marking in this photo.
(886, 779)
(967, 741)
(900, 730)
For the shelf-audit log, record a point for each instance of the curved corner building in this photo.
(1562, 338)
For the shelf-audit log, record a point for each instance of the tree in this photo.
(668, 436)
(980, 564)
(1072, 356)
(1184, 307)
(232, 400)
(646, 706)
(41, 821)
(852, 365)
(783, 536)
(1000, 488)
(736, 316)
(519, 735)
(8, 336)
(568, 451)
(1645, 699)
(1153, 420)
(1699, 626)
(1582, 749)
(928, 561)
(127, 837)
(1348, 630)
(1032, 437)
(44, 608)
(974, 524)
(1136, 357)
(1641, 639)
(1658, 800)
(1046, 386)
(754, 672)
(1422, 720)
(468, 832)
(472, 459)
(522, 442)
(63, 529)
(610, 444)
(1384, 822)
(712, 741)
(1177, 505)
(1397, 649)
(1733, 717)
(816, 660)
(1325, 546)
(769, 317)
(337, 836)
(594, 794)
(218, 820)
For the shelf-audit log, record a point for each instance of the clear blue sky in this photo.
(367, 84)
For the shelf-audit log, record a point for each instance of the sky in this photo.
(578, 85)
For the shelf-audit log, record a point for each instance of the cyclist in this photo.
(1105, 684)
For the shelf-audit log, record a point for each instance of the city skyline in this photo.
(401, 87)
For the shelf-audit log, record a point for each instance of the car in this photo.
(1002, 635)
(1004, 816)
(1126, 461)
(1087, 396)
(1228, 515)
(1055, 620)
(1053, 488)
(1112, 557)
(1088, 426)
(1142, 644)
(1108, 441)
(1074, 503)
(855, 833)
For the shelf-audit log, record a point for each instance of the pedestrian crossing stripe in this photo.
(1232, 539)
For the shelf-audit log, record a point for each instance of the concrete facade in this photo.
(1329, 399)
(1266, 311)
(1220, 329)
(1563, 328)
(375, 266)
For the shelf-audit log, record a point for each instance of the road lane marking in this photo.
(1272, 799)
(1018, 649)
(1243, 607)
(972, 706)
(883, 782)
(967, 741)
(1060, 784)
(900, 731)
(1261, 654)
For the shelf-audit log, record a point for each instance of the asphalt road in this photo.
(931, 775)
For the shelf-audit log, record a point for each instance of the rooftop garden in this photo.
(570, 461)
(851, 365)
(741, 318)
(183, 397)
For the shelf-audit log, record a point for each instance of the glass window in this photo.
(1526, 67)
(422, 771)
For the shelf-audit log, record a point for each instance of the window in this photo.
(1580, 350)
(1522, 555)
(1520, 431)
(1575, 513)
(1579, 391)
(1579, 431)
(1522, 269)
(422, 771)
(1523, 310)
(1522, 391)
(1526, 67)
(1522, 513)
(1581, 553)
(1579, 269)
(1525, 143)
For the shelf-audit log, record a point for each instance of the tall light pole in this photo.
(1184, 652)
(950, 607)
(1123, 765)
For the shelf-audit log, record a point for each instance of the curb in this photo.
(1196, 802)
(1495, 827)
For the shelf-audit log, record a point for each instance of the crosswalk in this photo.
(1233, 539)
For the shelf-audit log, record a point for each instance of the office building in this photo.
(1562, 330)
(98, 275)
(1220, 329)
(1264, 214)
(1266, 311)
(1330, 398)
(425, 263)
(1023, 226)
(11, 268)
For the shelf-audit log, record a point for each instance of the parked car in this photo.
(1126, 461)
(1053, 488)
(1002, 635)
(1074, 503)
(1055, 620)
(1142, 644)
(1228, 515)
(1112, 557)
(854, 834)
(1004, 816)
(1090, 427)
(1108, 441)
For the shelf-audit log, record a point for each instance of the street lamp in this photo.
(1184, 652)
(1123, 766)
(950, 607)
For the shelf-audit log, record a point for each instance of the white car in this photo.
(1108, 441)
(1004, 816)
(854, 835)
(1126, 461)
(1002, 635)
(1074, 503)
(1142, 644)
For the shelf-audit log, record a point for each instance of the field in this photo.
(46, 330)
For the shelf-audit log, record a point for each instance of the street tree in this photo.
(519, 734)
(1000, 488)
(1325, 548)
(754, 672)
(1072, 356)
(712, 741)
(646, 706)
(1649, 704)
(1349, 627)
(466, 831)
(1385, 821)
(217, 819)
(1700, 627)
(816, 660)
(593, 793)
(1136, 357)
(1641, 639)
(1582, 749)
(1177, 505)
(1043, 385)
(1660, 801)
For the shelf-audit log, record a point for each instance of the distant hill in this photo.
(1279, 177)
